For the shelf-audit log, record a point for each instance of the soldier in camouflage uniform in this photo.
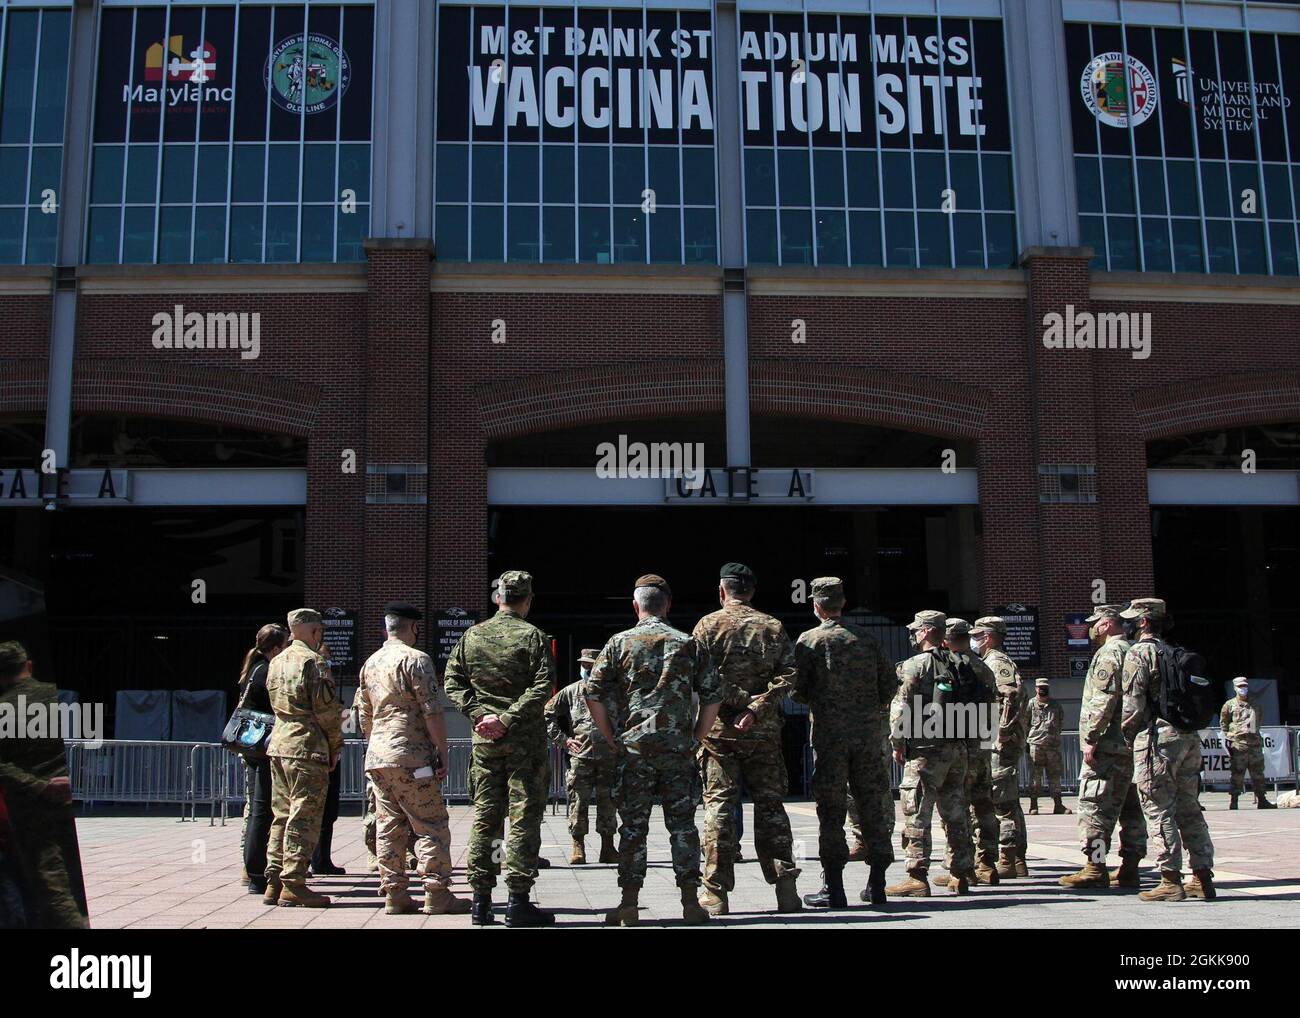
(1239, 720)
(406, 762)
(38, 795)
(641, 695)
(1167, 764)
(756, 663)
(934, 764)
(1009, 744)
(1046, 719)
(985, 826)
(592, 768)
(844, 678)
(500, 676)
(1107, 795)
(305, 746)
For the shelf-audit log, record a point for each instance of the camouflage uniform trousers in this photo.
(836, 770)
(761, 766)
(936, 778)
(641, 781)
(1005, 774)
(507, 778)
(1244, 757)
(49, 863)
(588, 782)
(1107, 796)
(983, 817)
(1045, 759)
(1166, 772)
(404, 803)
(298, 791)
(886, 800)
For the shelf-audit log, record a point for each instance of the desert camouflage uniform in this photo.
(398, 691)
(934, 774)
(1107, 794)
(308, 735)
(756, 663)
(592, 769)
(504, 666)
(844, 678)
(1167, 765)
(1009, 744)
(886, 793)
(1240, 722)
(647, 677)
(985, 825)
(1045, 722)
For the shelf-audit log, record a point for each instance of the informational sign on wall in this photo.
(448, 626)
(1021, 643)
(340, 625)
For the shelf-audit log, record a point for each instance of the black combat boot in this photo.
(1232, 803)
(520, 911)
(321, 863)
(480, 909)
(832, 893)
(875, 889)
(1261, 802)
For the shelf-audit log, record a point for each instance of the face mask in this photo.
(1242, 693)
(585, 672)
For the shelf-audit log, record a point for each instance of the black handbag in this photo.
(248, 731)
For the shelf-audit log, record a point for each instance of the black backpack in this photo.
(1187, 694)
(967, 687)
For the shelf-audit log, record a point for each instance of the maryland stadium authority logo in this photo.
(195, 63)
(1111, 93)
(311, 76)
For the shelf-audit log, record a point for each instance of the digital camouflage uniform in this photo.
(1046, 719)
(398, 692)
(647, 677)
(504, 666)
(1239, 719)
(592, 769)
(985, 825)
(1107, 795)
(44, 833)
(307, 736)
(1009, 744)
(756, 663)
(934, 771)
(1167, 765)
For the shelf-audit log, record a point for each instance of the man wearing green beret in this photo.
(756, 662)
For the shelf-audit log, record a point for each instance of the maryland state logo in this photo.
(1113, 88)
(175, 64)
(308, 74)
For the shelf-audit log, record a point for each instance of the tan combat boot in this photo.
(296, 894)
(440, 901)
(714, 902)
(627, 913)
(939, 880)
(1127, 875)
(693, 913)
(1022, 867)
(398, 901)
(273, 888)
(915, 886)
(1201, 885)
(959, 883)
(787, 895)
(1092, 875)
(1170, 888)
(608, 853)
(578, 857)
(1006, 868)
(986, 873)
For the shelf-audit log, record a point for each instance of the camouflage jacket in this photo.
(755, 661)
(1240, 722)
(650, 676)
(845, 678)
(308, 716)
(568, 717)
(28, 764)
(1013, 699)
(1099, 712)
(1142, 685)
(503, 666)
(917, 677)
(1045, 722)
(398, 692)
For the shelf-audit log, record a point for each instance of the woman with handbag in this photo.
(271, 639)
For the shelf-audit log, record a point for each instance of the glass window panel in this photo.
(796, 237)
(968, 239)
(864, 238)
(1092, 230)
(828, 179)
(629, 235)
(317, 233)
(666, 235)
(249, 173)
(46, 163)
(487, 174)
(213, 169)
(1188, 253)
(1252, 258)
(354, 171)
(900, 239)
(665, 176)
(760, 177)
(352, 230)
(523, 243)
(557, 229)
(701, 236)
(593, 234)
(932, 181)
(246, 233)
(281, 233)
(451, 173)
(522, 186)
(174, 235)
(1282, 237)
(13, 175)
(760, 237)
(451, 237)
(1003, 252)
(998, 190)
(557, 178)
(1151, 187)
(281, 184)
(897, 167)
(1245, 177)
(11, 236)
(106, 174)
(1218, 235)
(1183, 188)
(51, 77)
(1277, 187)
(792, 179)
(42, 237)
(1214, 177)
(832, 237)
(697, 166)
(486, 228)
(318, 178)
(1122, 231)
(1117, 174)
(863, 179)
(1087, 175)
(178, 175)
(629, 174)
(935, 248)
(103, 233)
(1156, 254)
(19, 78)
(138, 235)
(142, 174)
(210, 233)
(593, 178)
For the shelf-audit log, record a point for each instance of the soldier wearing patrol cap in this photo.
(406, 761)
(305, 746)
(1046, 719)
(1107, 795)
(500, 676)
(1166, 763)
(934, 762)
(756, 662)
(1239, 719)
(1008, 745)
(592, 767)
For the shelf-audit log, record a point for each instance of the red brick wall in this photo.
(24, 353)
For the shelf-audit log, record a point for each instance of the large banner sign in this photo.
(1217, 766)
(898, 83)
(530, 74)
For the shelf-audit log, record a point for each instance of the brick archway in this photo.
(241, 399)
(1163, 411)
